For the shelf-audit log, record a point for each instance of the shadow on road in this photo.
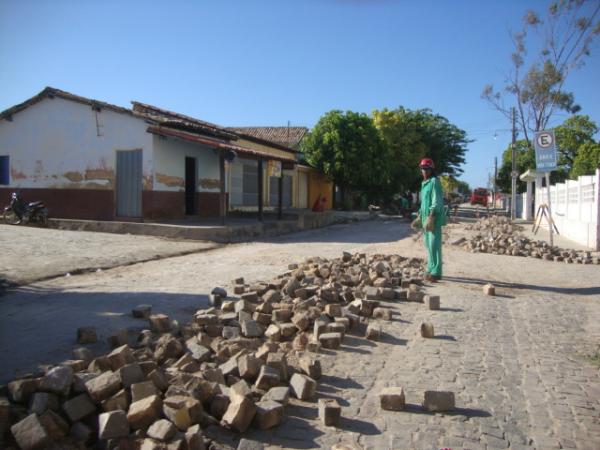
(590, 290)
(467, 412)
(362, 233)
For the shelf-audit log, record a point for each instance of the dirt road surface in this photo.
(518, 362)
(30, 254)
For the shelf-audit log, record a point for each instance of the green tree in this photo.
(587, 159)
(347, 148)
(412, 135)
(525, 159)
(536, 84)
(571, 137)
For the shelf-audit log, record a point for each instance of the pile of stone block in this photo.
(498, 235)
(235, 365)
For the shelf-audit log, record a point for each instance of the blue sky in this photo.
(250, 62)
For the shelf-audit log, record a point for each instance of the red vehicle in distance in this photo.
(479, 197)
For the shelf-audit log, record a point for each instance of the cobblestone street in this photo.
(519, 362)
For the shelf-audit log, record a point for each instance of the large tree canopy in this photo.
(346, 147)
(535, 85)
(412, 135)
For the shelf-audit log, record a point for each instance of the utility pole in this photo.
(513, 185)
(495, 180)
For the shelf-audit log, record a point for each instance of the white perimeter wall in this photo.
(54, 140)
(169, 165)
(574, 206)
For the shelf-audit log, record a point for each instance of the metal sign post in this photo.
(545, 160)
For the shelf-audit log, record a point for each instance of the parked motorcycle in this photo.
(21, 212)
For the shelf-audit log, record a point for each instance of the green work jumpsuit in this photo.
(432, 201)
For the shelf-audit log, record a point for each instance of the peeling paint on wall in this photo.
(16, 174)
(147, 182)
(209, 183)
(99, 174)
(72, 176)
(169, 180)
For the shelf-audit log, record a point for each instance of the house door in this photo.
(129, 183)
(190, 185)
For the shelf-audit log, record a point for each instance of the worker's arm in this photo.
(437, 198)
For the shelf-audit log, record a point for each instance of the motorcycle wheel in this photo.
(10, 217)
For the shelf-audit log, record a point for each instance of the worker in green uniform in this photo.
(432, 217)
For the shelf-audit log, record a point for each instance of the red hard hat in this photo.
(427, 163)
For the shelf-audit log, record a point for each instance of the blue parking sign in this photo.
(545, 151)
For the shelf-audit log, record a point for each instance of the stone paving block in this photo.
(336, 327)
(301, 321)
(86, 335)
(159, 323)
(268, 377)
(218, 405)
(278, 361)
(288, 330)
(273, 333)
(392, 399)
(183, 411)
(118, 401)
(112, 425)
(142, 311)
(159, 378)
(142, 390)
(302, 387)
(30, 434)
(432, 302)
(241, 389)
(42, 401)
(161, 430)
(331, 340)
(282, 315)
(262, 318)
(21, 390)
(251, 328)
(120, 357)
(82, 432)
(415, 296)
(54, 424)
(239, 414)
(427, 330)
(249, 366)
(310, 366)
(438, 401)
(330, 412)
(279, 394)
(144, 412)
(58, 380)
(130, 374)
(401, 294)
(269, 414)
(382, 313)
(249, 444)
(333, 310)
(320, 327)
(489, 289)
(79, 407)
(373, 332)
(199, 352)
(194, 440)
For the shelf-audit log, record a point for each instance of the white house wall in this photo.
(56, 143)
(169, 165)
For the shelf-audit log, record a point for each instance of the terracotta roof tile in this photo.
(287, 136)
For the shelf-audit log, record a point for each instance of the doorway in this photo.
(190, 185)
(129, 183)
